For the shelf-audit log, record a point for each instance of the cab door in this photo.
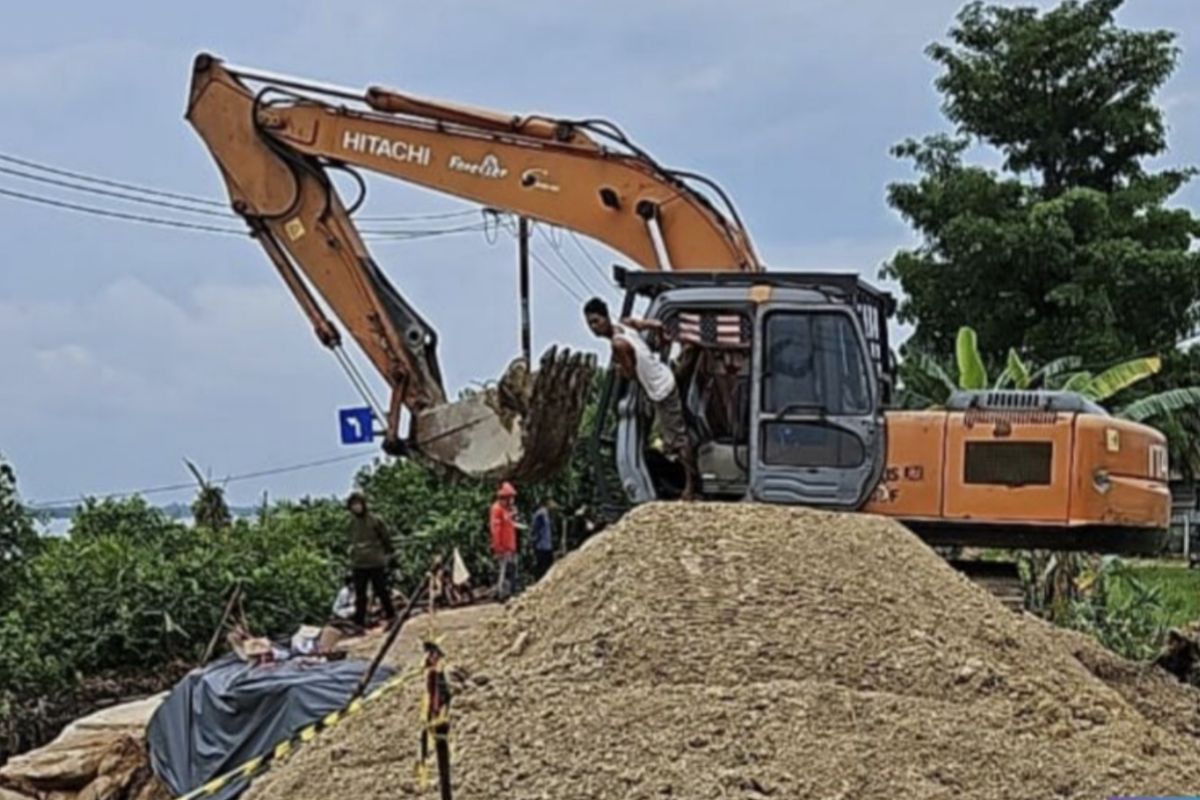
(817, 435)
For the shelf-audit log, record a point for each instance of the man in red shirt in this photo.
(503, 527)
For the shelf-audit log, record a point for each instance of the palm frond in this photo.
(971, 372)
(922, 375)
(1122, 376)
(1049, 374)
(1162, 404)
(1017, 370)
(1077, 382)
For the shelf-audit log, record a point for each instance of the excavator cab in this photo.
(783, 379)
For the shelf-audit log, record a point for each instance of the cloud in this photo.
(146, 353)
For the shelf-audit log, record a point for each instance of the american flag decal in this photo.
(712, 328)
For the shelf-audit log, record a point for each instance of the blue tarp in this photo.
(229, 712)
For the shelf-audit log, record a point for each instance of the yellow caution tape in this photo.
(283, 749)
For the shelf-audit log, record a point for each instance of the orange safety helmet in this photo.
(506, 490)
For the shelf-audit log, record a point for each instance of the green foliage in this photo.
(1070, 248)
(429, 514)
(1121, 376)
(18, 537)
(971, 372)
(924, 382)
(1048, 374)
(1067, 93)
(1016, 373)
(209, 508)
(1178, 590)
(132, 518)
(1163, 404)
(1126, 608)
(129, 589)
(1122, 609)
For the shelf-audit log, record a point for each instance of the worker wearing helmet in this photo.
(370, 550)
(502, 525)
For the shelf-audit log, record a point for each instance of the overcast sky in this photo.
(126, 348)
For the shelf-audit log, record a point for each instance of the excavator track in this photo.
(1001, 578)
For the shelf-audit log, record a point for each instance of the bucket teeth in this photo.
(524, 428)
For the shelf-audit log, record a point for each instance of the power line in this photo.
(393, 239)
(131, 198)
(381, 235)
(562, 257)
(188, 198)
(608, 281)
(546, 268)
(176, 487)
(103, 212)
(416, 217)
(400, 233)
(109, 182)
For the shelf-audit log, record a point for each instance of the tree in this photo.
(1069, 248)
(130, 518)
(18, 537)
(209, 509)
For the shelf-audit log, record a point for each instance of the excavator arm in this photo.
(275, 140)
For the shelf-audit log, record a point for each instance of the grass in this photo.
(1179, 587)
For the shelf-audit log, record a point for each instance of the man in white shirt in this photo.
(343, 604)
(634, 360)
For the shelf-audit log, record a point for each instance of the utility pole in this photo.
(523, 273)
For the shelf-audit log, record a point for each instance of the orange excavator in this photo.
(786, 377)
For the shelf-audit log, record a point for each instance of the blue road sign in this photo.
(357, 425)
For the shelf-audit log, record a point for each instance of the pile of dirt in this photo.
(742, 651)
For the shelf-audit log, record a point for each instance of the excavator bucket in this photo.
(523, 428)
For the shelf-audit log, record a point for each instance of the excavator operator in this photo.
(633, 359)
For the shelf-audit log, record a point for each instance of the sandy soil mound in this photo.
(707, 651)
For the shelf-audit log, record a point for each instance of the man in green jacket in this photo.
(370, 550)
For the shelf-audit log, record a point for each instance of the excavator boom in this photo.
(275, 140)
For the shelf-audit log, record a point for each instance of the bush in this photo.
(1123, 612)
(429, 514)
(130, 590)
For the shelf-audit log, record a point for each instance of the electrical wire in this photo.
(184, 198)
(491, 225)
(565, 262)
(546, 268)
(510, 225)
(177, 487)
(608, 281)
(403, 233)
(131, 198)
(103, 212)
(381, 235)
(417, 217)
(109, 182)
